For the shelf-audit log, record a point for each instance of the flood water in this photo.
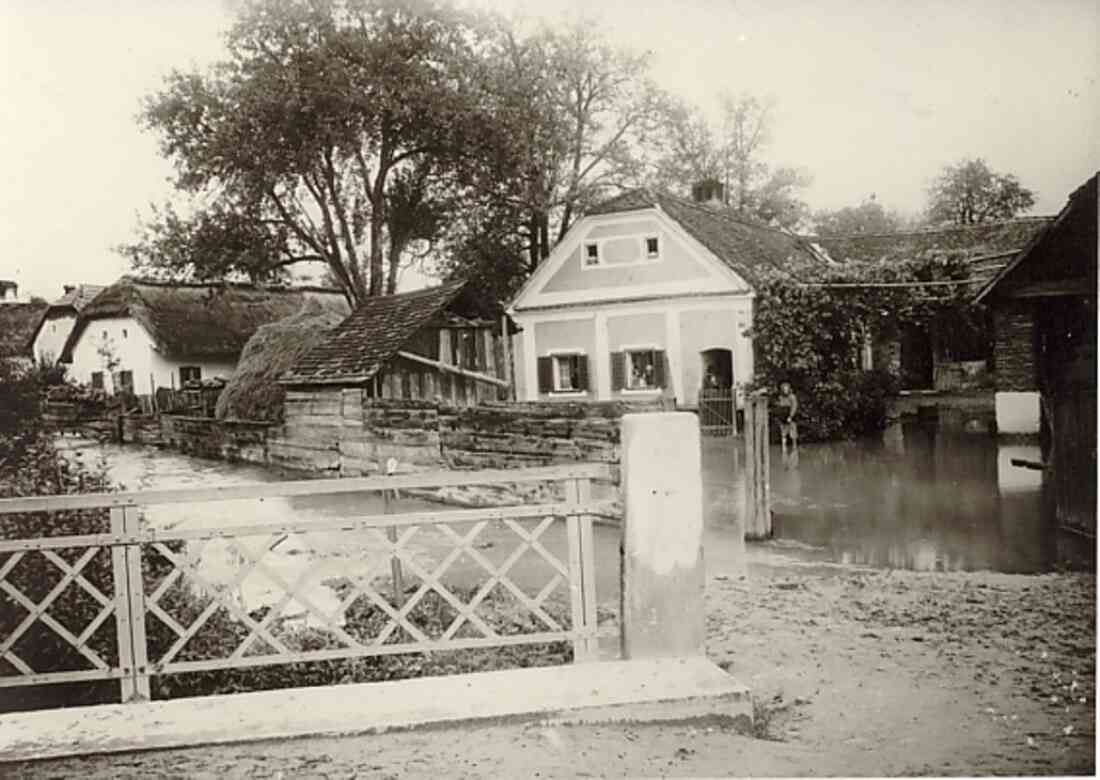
(919, 498)
(318, 561)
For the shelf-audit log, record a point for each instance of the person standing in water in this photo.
(787, 408)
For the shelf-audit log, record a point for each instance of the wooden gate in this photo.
(717, 411)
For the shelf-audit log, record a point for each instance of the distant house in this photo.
(927, 358)
(138, 335)
(438, 343)
(648, 296)
(53, 331)
(18, 323)
(1044, 315)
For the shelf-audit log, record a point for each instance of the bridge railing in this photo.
(381, 584)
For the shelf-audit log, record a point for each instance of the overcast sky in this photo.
(871, 97)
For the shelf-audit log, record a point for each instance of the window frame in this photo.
(646, 254)
(124, 387)
(598, 246)
(556, 355)
(628, 352)
(98, 377)
(197, 377)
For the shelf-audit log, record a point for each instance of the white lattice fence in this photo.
(400, 583)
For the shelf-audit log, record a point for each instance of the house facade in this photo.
(136, 335)
(648, 296)
(60, 319)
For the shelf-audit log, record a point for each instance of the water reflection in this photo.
(919, 498)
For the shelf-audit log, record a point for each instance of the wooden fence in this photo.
(130, 595)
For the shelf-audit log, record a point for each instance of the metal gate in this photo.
(717, 411)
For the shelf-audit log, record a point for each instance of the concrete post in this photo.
(663, 576)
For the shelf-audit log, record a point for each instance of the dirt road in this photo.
(856, 672)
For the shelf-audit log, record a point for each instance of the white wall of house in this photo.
(603, 291)
(682, 328)
(51, 337)
(124, 339)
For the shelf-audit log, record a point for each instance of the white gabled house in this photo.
(61, 316)
(138, 335)
(648, 295)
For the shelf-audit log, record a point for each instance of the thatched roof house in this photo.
(54, 329)
(18, 323)
(162, 334)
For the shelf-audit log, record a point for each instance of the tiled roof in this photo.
(1053, 251)
(18, 324)
(79, 296)
(198, 320)
(984, 238)
(359, 346)
(744, 246)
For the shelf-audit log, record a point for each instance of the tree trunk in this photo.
(396, 249)
(377, 223)
(544, 235)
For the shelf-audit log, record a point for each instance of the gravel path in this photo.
(855, 673)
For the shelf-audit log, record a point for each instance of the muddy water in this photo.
(919, 498)
(316, 561)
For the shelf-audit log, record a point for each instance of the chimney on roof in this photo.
(9, 291)
(709, 192)
(68, 288)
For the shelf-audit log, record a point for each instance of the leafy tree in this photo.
(325, 115)
(867, 217)
(732, 154)
(572, 118)
(969, 192)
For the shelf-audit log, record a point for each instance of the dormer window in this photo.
(591, 253)
(652, 248)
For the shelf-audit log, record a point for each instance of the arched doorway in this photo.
(716, 403)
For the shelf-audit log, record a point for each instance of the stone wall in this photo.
(232, 440)
(1014, 349)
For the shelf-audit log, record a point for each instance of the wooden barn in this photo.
(360, 395)
(1044, 315)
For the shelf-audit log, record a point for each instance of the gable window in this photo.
(652, 248)
(563, 373)
(125, 334)
(639, 369)
(190, 374)
(97, 380)
(591, 253)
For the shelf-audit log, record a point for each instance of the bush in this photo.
(848, 404)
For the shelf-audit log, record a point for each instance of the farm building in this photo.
(939, 358)
(430, 346)
(648, 297)
(54, 330)
(139, 335)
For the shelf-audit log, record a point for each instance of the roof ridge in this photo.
(216, 284)
(935, 228)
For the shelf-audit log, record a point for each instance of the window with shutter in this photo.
(618, 371)
(566, 373)
(546, 374)
(644, 369)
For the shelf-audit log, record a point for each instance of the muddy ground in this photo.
(855, 672)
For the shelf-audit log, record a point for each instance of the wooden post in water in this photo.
(758, 516)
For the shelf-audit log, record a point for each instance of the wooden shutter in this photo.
(660, 368)
(546, 374)
(618, 371)
(582, 372)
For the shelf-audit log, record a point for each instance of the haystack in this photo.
(253, 392)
